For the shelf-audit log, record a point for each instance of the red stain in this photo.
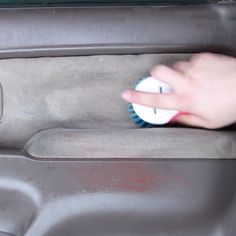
(138, 177)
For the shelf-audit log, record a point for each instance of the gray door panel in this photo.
(71, 161)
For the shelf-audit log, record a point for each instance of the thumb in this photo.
(191, 120)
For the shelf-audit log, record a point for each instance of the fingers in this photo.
(210, 61)
(192, 120)
(202, 58)
(182, 67)
(164, 101)
(170, 76)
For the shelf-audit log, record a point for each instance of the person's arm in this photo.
(204, 88)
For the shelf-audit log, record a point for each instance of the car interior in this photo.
(71, 160)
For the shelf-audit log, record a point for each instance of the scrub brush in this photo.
(146, 117)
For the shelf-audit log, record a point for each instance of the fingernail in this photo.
(126, 95)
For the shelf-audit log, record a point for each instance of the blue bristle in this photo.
(136, 119)
(134, 115)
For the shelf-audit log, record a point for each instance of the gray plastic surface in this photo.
(5, 234)
(69, 92)
(130, 197)
(132, 143)
(18, 204)
(37, 32)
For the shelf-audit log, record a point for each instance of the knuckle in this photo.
(159, 101)
(201, 58)
(188, 102)
(157, 70)
(154, 101)
(148, 99)
(184, 67)
(161, 67)
(178, 65)
(192, 72)
(137, 97)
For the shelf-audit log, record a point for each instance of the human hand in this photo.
(204, 91)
